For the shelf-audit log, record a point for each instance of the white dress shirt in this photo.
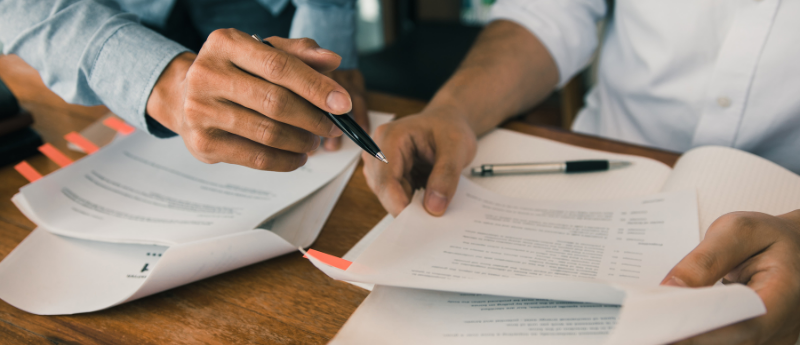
(680, 74)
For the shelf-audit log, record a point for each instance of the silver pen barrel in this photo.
(514, 169)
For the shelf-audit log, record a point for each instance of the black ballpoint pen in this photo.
(348, 126)
(544, 168)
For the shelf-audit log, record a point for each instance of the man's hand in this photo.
(242, 102)
(425, 150)
(761, 251)
(353, 82)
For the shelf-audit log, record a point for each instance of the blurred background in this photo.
(410, 47)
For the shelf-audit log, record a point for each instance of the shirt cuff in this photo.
(333, 27)
(126, 69)
(568, 29)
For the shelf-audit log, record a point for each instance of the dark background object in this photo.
(17, 140)
(420, 61)
(8, 103)
(19, 145)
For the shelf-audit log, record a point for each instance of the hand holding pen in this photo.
(349, 126)
(241, 102)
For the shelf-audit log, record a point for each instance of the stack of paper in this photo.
(500, 268)
(143, 215)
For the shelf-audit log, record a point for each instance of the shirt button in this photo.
(724, 102)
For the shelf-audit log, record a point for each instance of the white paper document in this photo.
(392, 315)
(561, 244)
(53, 274)
(153, 191)
(724, 180)
(519, 271)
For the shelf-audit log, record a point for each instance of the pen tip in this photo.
(381, 157)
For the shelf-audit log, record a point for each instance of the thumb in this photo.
(308, 51)
(728, 243)
(443, 180)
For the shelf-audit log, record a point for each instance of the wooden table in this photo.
(284, 300)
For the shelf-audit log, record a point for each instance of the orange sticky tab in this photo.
(55, 155)
(82, 142)
(118, 125)
(27, 171)
(329, 260)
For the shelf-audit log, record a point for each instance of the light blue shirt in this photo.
(92, 52)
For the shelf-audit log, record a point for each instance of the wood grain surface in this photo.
(280, 301)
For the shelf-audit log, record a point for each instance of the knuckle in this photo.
(201, 148)
(266, 132)
(218, 36)
(275, 65)
(192, 110)
(705, 262)
(275, 102)
(382, 131)
(261, 160)
(306, 42)
(314, 86)
(322, 124)
(743, 223)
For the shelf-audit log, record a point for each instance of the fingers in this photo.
(778, 288)
(353, 82)
(249, 124)
(388, 181)
(729, 241)
(219, 146)
(281, 68)
(308, 51)
(442, 183)
(275, 102)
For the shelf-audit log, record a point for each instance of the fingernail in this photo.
(436, 203)
(324, 51)
(338, 103)
(675, 281)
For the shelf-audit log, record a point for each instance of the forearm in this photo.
(507, 71)
(88, 52)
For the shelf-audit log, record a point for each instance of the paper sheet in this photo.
(50, 274)
(392, 315)
(725, 180)
(555, 250)
(153, 191)
(729, 180)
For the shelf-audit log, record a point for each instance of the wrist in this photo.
(165, 103)
(442, 107)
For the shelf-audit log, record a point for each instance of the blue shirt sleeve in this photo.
(88, 52)
(332, 23)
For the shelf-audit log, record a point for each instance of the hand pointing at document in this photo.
(242, 102)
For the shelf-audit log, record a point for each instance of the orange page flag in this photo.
(27, 171)
(328, 259)
(82, 142)
(118, 125)
(55, 155)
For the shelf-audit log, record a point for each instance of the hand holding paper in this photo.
(754, 249)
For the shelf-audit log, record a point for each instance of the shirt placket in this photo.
(726, 96)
